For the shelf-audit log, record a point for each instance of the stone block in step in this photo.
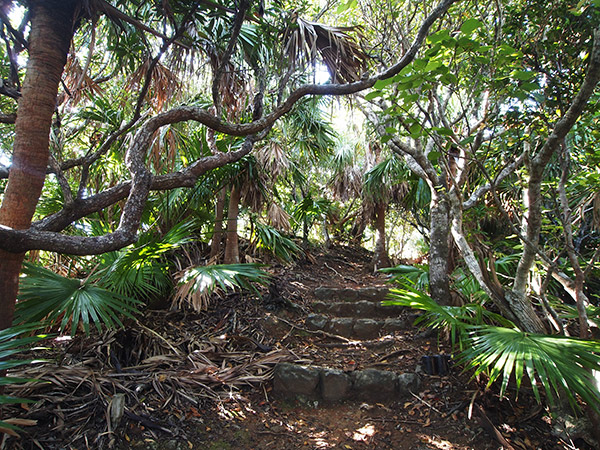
(391, 310)
(327, 293)
(335, 384)
(294, 380)
(407, 383)
(374, 385)
(315, 322)
(373, 293)
(390, 325)
(366, 329)
(341, 326)
(371, 385)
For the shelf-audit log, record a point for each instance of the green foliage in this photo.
(416, 275)
(143, 270)
(456, 319)
(196, 284)
(268, 238)
(310, 210)
(45, 295)
(562, 365)
(10, 346)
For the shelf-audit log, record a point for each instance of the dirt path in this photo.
(205, 381)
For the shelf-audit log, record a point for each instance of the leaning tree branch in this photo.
(142, 181)
(540, 161)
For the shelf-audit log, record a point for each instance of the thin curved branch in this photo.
(482, 190)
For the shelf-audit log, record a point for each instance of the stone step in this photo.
(361, 308)
(332, 385)
(355, 328)
(373, 294)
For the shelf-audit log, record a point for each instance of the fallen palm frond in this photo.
(337, 49)
(161, 368)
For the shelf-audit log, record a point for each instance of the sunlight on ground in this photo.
(363, 433)
(436, 442)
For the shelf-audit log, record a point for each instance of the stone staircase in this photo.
(356, 319)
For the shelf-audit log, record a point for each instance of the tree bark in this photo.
(217, 237)
(232, 250)
(439, 230)
(380, 256)
(52, 27)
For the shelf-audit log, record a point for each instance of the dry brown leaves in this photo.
(172, 361)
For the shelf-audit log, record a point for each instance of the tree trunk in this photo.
(217, 237)
(52, 27)
(380, 257)
(439, 229)
(232, 250)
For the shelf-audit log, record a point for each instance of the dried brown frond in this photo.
(163, 150)
(233, 86)
(399, 192)
(335, 47)
(78, 87)
(164, 84)
(347, 184)
(278, 217)
(162, 364)
(273, 159)
(252, 189)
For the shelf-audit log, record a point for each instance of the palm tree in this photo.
(52, 25)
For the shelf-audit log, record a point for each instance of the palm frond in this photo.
(458, 320)
(45, 295)
(269, 239)
(416, 275)
(196, 284)
(336, 48)
(563, 366)
(142, 271)
(10, 345)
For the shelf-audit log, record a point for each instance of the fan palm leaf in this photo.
(10, 345)
(337, 49)
(45, 295)
(196, 284)
(269, 239)
(563, 366)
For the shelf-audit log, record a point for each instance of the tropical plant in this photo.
(196, 284)
(457, 320)
(268, 238)
(564, 366)
(143, 270)
(47, 296)
(416, 275)
(10, 346)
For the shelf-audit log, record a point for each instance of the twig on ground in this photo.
(321, 332)
(487, 424)
(427, 403)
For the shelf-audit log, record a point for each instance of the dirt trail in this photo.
(205, 381)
